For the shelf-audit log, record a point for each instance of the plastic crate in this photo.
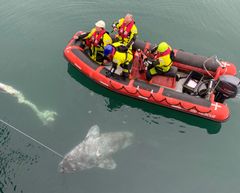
(193, 81)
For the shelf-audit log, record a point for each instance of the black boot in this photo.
(124, 75)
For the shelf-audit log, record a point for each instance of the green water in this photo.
(173, 152)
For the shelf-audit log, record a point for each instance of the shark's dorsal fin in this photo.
(93, 132)
(107, 163)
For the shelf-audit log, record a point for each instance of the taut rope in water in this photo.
(48, 148)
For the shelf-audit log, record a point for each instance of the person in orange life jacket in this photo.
(127, 30)
(118, 57)
(162, 62)
(96, 40)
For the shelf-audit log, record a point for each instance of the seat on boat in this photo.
(167, 79)
(172, 72)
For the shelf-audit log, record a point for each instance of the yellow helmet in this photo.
(162, 47)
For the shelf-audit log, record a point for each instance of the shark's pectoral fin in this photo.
(107, 164)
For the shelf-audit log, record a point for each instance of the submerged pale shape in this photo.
(95, 150)
(44, 116)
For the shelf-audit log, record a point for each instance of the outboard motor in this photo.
(227, 87)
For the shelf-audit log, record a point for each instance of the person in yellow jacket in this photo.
(119, 56)
(96, 40)
(127, 30)
(163, 59)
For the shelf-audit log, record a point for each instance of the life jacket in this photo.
(159, 54)
(165, 60)
(116, 46)
(96, 37)
(124, 33)
(119, 49)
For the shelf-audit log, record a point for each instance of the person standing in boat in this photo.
(162, 62)
(118, 57)
(127, 30)
(96, 40)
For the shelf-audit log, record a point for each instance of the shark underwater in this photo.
(95, 151)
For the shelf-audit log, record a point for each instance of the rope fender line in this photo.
(123, 87)
(137, 91)
(160, 101)
(180, 105)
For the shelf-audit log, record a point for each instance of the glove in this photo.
(147, 62)
(122, 48)
(76, 37)
(114, 25)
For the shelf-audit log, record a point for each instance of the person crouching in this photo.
(118, 57)
(163, 59)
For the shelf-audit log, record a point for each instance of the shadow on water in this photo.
(117, 100)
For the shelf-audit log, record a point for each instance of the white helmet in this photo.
(100, 23)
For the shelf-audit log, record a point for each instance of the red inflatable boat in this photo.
(195, 84)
